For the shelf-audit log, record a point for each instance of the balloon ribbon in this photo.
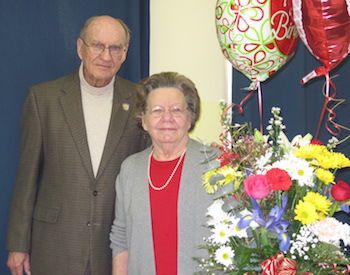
(329, 93)
(239, 106)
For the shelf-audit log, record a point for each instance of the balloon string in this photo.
(325, 103)
(331, 125)
(330, 110)
(260, 101)
(332, 116)
(225, 136)
(239, 106)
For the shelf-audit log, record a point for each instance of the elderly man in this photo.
(76, 131)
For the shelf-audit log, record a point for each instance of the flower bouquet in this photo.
(274, 204)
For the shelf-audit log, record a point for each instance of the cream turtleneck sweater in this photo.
(97, 108)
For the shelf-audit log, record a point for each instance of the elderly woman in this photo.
(161, 205)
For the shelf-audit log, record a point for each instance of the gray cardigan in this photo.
(132, 230)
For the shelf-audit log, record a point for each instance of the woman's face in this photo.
(166, 118)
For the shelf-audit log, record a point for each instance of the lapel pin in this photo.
(125, 106)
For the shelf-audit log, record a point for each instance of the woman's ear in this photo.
(144, 124)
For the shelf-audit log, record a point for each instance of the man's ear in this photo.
(79, 47)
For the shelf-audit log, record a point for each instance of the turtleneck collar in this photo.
(96, 91)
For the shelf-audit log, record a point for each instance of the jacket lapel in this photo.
(121, 111)
(73, 111)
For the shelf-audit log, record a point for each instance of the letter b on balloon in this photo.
(257, 36)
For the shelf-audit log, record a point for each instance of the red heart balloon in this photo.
(324, 27)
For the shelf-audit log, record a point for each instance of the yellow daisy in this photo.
(310, 151)
(209, 183)
(305, 212)
(229, 174)
(333, 160)
(325, 176)
(217, 177)
(321, 203)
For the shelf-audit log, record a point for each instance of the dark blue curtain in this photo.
(300, 105)
(38, 43)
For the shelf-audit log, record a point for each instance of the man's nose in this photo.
(106, 54)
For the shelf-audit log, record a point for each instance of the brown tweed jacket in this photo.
(61, 214)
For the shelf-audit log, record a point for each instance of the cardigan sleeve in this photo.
(118, 235)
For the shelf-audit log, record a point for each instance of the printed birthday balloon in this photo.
(324, 27)
(257, 36)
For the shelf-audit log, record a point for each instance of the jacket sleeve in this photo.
(26, 184)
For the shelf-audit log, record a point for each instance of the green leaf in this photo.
(258, 135)
(243, 256)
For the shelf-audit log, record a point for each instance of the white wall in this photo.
(183, 39)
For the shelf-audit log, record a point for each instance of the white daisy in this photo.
(235, 230)
(221, 233)
(262, 162)
(224, 255)
(298, 169)
(216, 214)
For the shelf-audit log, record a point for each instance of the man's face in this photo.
(103, 50)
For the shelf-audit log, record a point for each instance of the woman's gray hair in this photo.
(170, 80)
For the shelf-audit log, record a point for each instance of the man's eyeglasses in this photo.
(98, 48)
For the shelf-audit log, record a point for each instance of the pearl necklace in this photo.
(170, 177)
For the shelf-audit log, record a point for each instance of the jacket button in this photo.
(88, 224)
(95, 193)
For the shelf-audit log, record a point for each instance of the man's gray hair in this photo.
(88, 22)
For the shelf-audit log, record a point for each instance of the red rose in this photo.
(341, 191)
(257, 186)
(278, 179)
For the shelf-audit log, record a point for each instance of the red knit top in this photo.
(164, 215)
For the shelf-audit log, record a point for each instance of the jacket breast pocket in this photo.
(44, 214)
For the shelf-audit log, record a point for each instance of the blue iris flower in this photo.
(274, 221)
(345, 208)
